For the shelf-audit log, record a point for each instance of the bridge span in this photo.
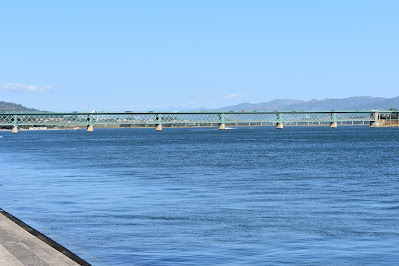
(15, 120)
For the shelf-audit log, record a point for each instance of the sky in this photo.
(183, 55)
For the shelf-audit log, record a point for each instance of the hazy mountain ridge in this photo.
(351, 103)
(271, 105)
(13, 107)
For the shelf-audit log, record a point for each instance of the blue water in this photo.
(301, 195)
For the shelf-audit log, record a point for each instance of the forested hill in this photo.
(13, 107)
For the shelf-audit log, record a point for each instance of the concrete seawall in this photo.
(20, 244)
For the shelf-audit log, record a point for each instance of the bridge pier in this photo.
(333, 124)
(376, 122)
(222, 126)
(90, 123)
(14, 130)
(279, 123)
(158, 127)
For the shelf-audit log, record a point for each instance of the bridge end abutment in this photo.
(376, 122)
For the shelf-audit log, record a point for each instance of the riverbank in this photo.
(20, 244)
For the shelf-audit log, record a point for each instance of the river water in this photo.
(301, 195)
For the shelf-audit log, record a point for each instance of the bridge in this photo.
(15, 120)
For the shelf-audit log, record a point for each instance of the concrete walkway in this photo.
(20, 247)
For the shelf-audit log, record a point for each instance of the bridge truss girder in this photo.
(158, 118)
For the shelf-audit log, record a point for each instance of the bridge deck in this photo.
(159, 119)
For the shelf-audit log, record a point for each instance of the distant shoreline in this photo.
(228, 126)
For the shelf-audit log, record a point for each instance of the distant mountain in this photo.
(267, 106)
(13, 107)
(391, 103)
(351, 103)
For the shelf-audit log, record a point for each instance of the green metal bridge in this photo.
(15, 120)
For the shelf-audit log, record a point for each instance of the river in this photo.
(300, 195)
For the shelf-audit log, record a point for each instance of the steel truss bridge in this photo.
(16, 120)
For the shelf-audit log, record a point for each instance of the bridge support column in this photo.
(333, 120)
(14, 129)
(279, 123)
(90, 125)
(376, 122)
(222, 125)
(158, 127)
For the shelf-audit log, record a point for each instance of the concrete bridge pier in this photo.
(14, 130)
(221, 125)
(333, 124)
(376, 122)
(158, 127)
(90, 123)
(279, 123)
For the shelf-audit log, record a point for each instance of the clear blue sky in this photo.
(152, 55)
